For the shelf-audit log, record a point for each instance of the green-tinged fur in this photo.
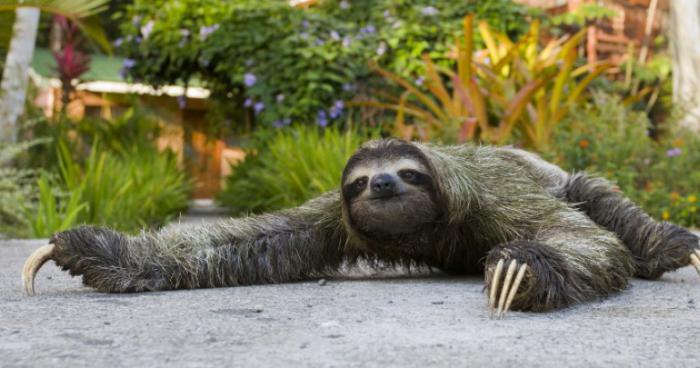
(489, 204)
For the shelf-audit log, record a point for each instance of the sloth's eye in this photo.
(361, 182)
(407, 174)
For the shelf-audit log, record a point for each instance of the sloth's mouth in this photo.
(384, 197)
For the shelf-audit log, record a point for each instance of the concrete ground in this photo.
(401, 322)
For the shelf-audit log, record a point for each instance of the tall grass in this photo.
(290, 167)
(128, 192)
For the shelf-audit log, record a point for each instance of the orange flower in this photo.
(678, 142)
(584, 143)
(675, 196)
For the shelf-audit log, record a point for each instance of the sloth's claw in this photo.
(32, 266)
(508, 290)
(695, 259)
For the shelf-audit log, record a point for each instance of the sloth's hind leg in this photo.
(565, 264)
(657, 247)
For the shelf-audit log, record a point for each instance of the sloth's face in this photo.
(389, 197)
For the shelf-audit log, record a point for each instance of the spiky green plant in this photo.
(290, 167)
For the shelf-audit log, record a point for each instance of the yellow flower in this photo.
(665, 215)
(692, 198)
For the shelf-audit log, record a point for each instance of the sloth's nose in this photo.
(383, 185)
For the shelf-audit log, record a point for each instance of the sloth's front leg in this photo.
(556, 268)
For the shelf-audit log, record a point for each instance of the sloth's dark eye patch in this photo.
(415, 177)
(352, 190)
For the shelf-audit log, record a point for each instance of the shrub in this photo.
(509, 87)
(140, 188)
(609, 139)
(17, 189)
(275, 64)
(287, 167)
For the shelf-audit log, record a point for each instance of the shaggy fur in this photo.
(474, 206)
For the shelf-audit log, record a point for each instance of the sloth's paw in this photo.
(695, 259)
(89, 251)
(501, 294)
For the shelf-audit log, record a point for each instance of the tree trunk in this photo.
(685, 49)
(13, 89)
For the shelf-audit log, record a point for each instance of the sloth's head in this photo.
(389, 189)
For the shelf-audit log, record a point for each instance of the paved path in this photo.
(402, 322)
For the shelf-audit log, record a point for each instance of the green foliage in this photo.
(609, 139)
(140, 188)
(583, 15)
(509, 87)
(287, 167)
(54, 212)
(276, 64)
(17, 189)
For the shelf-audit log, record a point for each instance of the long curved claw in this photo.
(32, 266)
(695, 260)
(508, 289)
(494, 286)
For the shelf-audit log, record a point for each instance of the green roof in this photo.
(102, 67)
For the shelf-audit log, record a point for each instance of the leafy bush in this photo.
(276, 64)
(287, 167)
(609, 139)
(17, 188)
(143, 187)
(509, 86)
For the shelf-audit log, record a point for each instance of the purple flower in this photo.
(304, 35)
(420, 81)
(204, 32)
(346, 41)
(347, 87)
(185, 34)
(335, 36)
(136, 20)
(147, 28)
(381, 49)
(249, 79)
(387, 14)
(369, 29)
(182, 101)
(344, 4)
(320, 42)
(137, 40)
(279, 98)
(282, 122)
(248, 102)
(321, 118)
(337, 109)
(258, 107)
(429, 10)
(128, 63)
(118, 42)
(305, 24)
(673, 152)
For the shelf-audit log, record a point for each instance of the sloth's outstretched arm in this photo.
(568, 261)
(284, 246)
(657, 247)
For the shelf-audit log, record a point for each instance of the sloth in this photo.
(543, 238)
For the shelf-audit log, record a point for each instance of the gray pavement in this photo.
(353, 322)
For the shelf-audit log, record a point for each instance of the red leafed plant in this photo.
(71, 63)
